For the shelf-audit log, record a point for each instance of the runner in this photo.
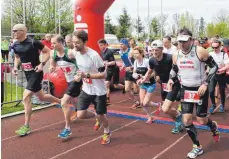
(63, 58)
(68, 41)
(128, 65)
(162, 64)
(147, 88)
(112, 68)
(189, 64)
(221, 59)
(169, 48)
(27, 52)
(92, 71)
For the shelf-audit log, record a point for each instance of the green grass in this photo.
(10, 108)
(117, 57)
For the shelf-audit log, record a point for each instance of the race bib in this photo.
(192, 97)
(27, 66)
(164, 87)
(67, 70)
(87, 80)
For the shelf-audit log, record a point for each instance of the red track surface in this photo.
(130, 138)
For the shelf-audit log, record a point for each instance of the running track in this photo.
(131, 137)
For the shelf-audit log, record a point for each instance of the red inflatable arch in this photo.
(89, 16)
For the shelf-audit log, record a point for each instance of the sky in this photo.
(205, 8)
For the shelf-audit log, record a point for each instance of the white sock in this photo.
(106, 130)
(68, 128)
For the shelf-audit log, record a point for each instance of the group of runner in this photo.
(181, 74)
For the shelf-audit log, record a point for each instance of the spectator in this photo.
(4, 68)
(5, 50)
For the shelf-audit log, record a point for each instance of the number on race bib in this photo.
(87, 80)
(27, 66)
(192, 97)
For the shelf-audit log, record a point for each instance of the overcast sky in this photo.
(198, 8)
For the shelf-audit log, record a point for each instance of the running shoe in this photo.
(221, 108)
(216, 133)
(178, 125)
(97, 125)
(179, 108)
(196, 151)
(136, 105)
(23, 130)
(65, 133)
(211, 110)
(150, 120)
(106, 139)
(158, 109)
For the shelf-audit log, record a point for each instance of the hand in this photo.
(158, 79)
(15, 71)
(202, 89)
(139, 82)
(39, 68)
(128, 68)
(77, 78)
(52, 69)
(81, 74)
(170, 84)
(220, 71)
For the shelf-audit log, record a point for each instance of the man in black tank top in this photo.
(27, 52)
(188, 64)
(161, 64)
(112, 68)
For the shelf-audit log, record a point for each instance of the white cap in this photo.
(157, 44)
(183, 37)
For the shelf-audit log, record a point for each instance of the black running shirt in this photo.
(28, 51)
(163, 67)
(107, 55)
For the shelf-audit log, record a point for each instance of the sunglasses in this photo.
(215, 47)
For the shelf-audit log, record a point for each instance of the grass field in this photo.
(9, 108)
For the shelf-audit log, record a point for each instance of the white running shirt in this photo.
(89, 63)
(171, 50)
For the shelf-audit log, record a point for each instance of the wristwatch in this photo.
(88, 75)
(43, 63)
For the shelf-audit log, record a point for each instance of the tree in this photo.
(176, 23)
(201, 27)
(155, 26)
(222, 16)
(109, 27)
(221, 29)
(39, 18)
(139, 27)
(124, 21)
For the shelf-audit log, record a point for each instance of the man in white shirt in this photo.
(221, 58)
(169, 48)
(92, 72)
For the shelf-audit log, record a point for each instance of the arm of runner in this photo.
(45, 55)
(205, 57)
(226, 64)
(98, 62)
(16, 64)
(52, 66)
(111, 59)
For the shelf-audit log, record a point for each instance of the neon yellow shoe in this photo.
(23, 130)
(179, 108)
(97, 125)
(106, 139)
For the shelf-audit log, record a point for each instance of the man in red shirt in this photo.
(47, 41)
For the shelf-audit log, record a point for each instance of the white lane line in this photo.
(34, 130)
(90, 141)
(169, 147)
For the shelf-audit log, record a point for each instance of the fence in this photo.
(14, 86)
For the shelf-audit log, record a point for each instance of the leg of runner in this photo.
(212, 86)
(47, 97)
(67, 112)
(128, 85)
(108, 91)
(222, 86)
(146, 103)
(25, 129)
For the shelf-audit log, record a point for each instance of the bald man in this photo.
(68, 41)
(27, 53)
